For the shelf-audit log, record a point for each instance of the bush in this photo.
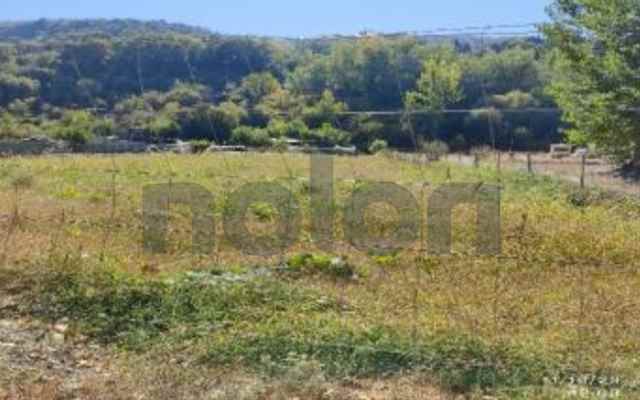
(200, 146)
(163, 126)
(249, 136)
(327, 135)
(76, 127)
(280, 145)
(378, 146)
(279, 128)
(319, 264)
(105, 127)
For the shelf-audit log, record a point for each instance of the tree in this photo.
(498, 73)
(437, 87)
(328, 135)
(439, 84)
(187, 95)
(16, 88)
(9, 126)
(77, 127)
(596, 79)
(325, 110)
(250, 136)
(255, 87)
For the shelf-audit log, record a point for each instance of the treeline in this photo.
(156, 81)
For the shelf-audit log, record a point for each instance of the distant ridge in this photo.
(58, 28)
(65, 28)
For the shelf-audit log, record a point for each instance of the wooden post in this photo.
(583, 170)
(499, 167)
(529, 164)
(476, 160)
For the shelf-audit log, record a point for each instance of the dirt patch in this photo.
(41, 361)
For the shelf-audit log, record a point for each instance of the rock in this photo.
(8, 324)
(8, 302)
(181, 147)
(56, 338)
(61, 328)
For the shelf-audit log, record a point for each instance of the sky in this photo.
(293, 18)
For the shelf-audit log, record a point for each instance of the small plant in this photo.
(280, 145)
(583, 197)
(264, 212)
(378, 146)
(22, 181)
(314, 264)
(200, 146)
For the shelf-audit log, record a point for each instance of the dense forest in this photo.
(156, 81)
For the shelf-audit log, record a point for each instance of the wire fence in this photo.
(581, 170)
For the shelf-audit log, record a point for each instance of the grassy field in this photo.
(554, 315)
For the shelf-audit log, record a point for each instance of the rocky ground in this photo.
(48, 362)
(40, 360)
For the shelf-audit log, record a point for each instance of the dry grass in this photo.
(563, 290)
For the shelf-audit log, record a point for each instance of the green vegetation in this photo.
(597, 84)
(158, 82)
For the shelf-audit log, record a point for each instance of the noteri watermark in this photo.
(408, 223)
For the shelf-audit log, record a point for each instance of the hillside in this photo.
(59, 28)
(156, 81)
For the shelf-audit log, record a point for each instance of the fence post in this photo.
(476, 160)
(529, 164)
(583, 168)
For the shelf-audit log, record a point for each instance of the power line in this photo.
(489, 30)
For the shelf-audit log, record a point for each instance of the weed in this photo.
(317, 264)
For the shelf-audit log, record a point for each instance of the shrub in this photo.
(105, 127)
(316, 264)
(280, 145)
(327, 135)
(250, 136)
(200, 146)
(378, 146)
(279, 128)
(163, 126)
(76, 127)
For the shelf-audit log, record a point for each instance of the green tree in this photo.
(325, 110)
(9, 126)
(596, 80)
(14, 87)
(77, 127)
(255, 87)
(250, 136)
(439, 84)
